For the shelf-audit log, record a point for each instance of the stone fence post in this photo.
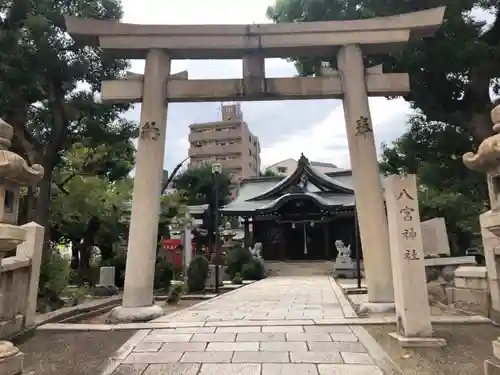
(32, 248)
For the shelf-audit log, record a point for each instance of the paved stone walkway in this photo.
(267, 328)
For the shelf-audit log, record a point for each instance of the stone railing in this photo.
(19, 276)
(14, 285)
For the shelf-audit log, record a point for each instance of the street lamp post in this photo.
(216, 170)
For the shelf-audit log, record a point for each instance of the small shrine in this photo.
(298, 217)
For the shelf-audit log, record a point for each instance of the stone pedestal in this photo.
(142, 241)
(366, 175)
(492, 365)
(410, 287)
(210, 283)
(470, 290)
(106, 286)
(345, 267)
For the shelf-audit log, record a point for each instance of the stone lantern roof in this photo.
(13, 167)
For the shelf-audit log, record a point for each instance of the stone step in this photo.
(306, 268)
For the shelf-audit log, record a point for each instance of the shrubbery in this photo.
(254, 270)
(175, 293)
(197, 274)
(235, 260)
(164, 274)
(54, 278)
(54, 274)
(237, 280)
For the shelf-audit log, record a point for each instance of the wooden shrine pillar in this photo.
(246, 238)
(326, 231)
(282, 242)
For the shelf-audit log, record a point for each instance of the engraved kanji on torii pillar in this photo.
(370, 205)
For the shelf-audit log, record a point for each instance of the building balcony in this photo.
(215, 150)
(230, 163)
(213, 135)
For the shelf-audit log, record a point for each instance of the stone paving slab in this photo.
(279, 338)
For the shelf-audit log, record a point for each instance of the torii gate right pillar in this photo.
(367, 182)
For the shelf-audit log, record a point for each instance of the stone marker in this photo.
(407, 258)
(435, 237)
(106, 286)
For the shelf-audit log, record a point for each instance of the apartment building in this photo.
(228, 142)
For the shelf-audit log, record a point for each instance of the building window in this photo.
(281, 169)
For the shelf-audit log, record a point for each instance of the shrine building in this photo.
(299, 216)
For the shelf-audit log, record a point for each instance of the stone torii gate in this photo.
(159, 44)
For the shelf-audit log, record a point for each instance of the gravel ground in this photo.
(468, 347)
(70, 353)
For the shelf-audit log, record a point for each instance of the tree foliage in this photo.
(198, 185)
(452, 75)
(448, 189)
(49, 88)
(268, 173)
(89, 206)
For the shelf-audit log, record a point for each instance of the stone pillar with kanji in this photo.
(407, 259)
(370, 207)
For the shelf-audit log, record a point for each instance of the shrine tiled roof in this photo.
(265, 194)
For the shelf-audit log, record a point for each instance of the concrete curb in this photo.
(68, 313)
(345, 305)
(375, 351)
(254, 323)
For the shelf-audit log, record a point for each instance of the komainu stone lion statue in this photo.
(487, 157)
(342, 250)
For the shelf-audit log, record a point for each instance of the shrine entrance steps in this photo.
(300, 268)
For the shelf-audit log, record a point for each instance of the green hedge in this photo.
(235, 260)
(197, 274)
(254, 270)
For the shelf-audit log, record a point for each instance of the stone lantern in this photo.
(487, 159)
(14, 174)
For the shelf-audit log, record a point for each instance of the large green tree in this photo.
(198, 185)
(49, 88)
(88, 207)
(452, 76)
(433, 151)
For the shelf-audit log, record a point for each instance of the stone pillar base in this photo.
(135, 314)
(492, 367)
(377, 307)
(11, 359)
(418, 342)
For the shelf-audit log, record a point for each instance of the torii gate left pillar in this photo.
(138, 300)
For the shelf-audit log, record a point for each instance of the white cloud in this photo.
(285, 129)
(327, 140)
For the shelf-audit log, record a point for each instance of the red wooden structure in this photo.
(174, 251)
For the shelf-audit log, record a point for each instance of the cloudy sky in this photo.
(285, 128)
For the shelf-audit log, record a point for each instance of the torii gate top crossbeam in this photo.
(376, 35)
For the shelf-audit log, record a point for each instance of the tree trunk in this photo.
(41, 212)
(75, 256)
